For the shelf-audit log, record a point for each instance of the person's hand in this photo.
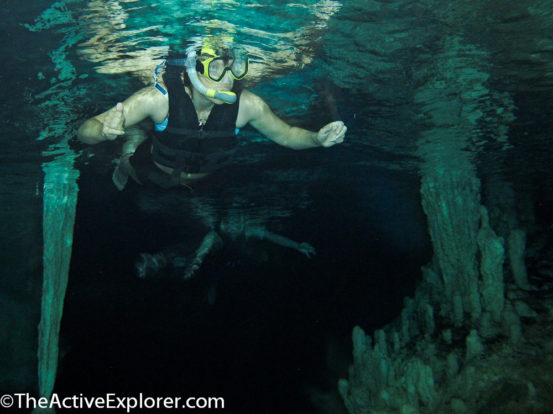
(306, 249)
(114, 123)
(332, 134)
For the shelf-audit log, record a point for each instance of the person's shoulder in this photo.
(248, 96)
(153, 102)
(151, 94)
(251, 101)
(252, 107)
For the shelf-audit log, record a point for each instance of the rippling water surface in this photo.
(363, 62)
(126, 36)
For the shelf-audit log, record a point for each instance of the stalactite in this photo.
(60, 187)
(60, 199)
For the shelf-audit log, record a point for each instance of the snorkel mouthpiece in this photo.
(225, 96)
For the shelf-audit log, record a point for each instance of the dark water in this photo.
(280, 326)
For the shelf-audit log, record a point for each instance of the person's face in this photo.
(224, 84)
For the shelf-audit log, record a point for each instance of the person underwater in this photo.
(197, 109)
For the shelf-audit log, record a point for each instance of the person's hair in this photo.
(173, 74)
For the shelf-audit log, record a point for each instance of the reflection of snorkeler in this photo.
(232, 226)
(197, 109)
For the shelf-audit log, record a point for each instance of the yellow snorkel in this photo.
(190, 64)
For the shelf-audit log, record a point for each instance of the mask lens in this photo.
(234, 60)
(217, 68)
(239, 66)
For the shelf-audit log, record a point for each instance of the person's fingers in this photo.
(341, 133)
(340, 128)
(333, 133)
(114, 123)
(117, 131)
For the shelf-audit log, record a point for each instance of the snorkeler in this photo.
(197, 110)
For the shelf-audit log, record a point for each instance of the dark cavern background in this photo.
(430, 290)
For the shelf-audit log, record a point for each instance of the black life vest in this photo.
(185, 145)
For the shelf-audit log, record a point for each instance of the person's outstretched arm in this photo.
(209, 243)
(255, 110)
(262, 233)
(147, 102)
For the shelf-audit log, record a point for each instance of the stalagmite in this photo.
(491, 268)
(429, 323)
(462, 288)
(512, 324)
(517, 249)
(474, 346)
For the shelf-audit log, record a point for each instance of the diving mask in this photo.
(214, 65)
